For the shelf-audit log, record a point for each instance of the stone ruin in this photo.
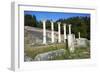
(50, 55)
(72, 41)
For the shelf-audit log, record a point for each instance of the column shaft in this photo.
(59, 32)
(79, 35)
(44, 32)
(64, 32)
(69, 29)
(52, 32)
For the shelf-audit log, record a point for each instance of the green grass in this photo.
(33, 51)
(80, 53)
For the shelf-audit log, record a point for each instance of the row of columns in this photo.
(52, 32)
(70, 38)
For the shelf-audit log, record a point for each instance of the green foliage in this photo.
(30, 20)
(33, 51)
(48, 24)
(80, 52)
(79, 24)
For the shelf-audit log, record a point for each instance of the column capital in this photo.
(70, 25)
(64, 24)
(52, 21)
(58, 22)
(43, 20)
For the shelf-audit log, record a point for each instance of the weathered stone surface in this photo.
(26, 58)
(49, 55)
(82, 42)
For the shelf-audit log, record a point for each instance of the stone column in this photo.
(74, 37)
(71, 40)
(64, 32)
(59, 32)
(44, 32)
(52, 32)
(79, 35)
(70, 29)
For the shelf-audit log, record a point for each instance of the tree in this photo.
(30, 20)
(79, 24)
(48, 24)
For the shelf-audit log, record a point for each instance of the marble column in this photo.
(59, 32)
(44, 32)
(74, 37)
(52, 32)
(79, 35)
(71, 38)
(64, 32)
(70, 29)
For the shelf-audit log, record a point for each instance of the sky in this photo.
(41, 15)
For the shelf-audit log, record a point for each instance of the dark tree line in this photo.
(79, 24)
(30, 20)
